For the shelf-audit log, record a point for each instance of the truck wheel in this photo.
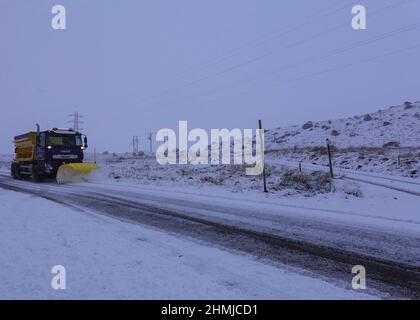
(36, 174)
(15, 171)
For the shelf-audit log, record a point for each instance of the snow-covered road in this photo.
(108, 259)
(318, 241)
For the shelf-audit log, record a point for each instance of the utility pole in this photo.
(150, 135)
(330, 158)
(135, 144)
(76, 121)
(262, 154)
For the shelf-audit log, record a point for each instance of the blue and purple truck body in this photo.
(39, 154)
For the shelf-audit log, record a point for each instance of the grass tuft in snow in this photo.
(312, 183)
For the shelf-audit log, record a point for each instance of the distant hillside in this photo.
(395, 126)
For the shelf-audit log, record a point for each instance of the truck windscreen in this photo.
(64, 140)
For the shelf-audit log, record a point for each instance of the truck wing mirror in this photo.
(85, 142)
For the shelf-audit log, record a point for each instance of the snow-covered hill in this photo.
(393, 127)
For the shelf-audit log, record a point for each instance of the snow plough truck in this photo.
(52, 154)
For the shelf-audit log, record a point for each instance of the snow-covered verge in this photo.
(281, 180)
(395, 126)
(5, 161)
(107, 258)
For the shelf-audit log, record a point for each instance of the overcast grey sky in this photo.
(132, 66)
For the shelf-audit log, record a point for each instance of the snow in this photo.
(109, 259)
(378, 208)
(399, 124)
(145, 170)
(401, 163)
(353, 203)
(5, 161)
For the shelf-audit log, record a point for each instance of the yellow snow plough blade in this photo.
(73, 171)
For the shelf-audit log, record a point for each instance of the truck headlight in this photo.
(49, 147)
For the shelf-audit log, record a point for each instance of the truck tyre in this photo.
(36, 173)
(14, 171)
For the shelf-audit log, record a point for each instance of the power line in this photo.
(258, 58)
(322, 72)
(267, 37)
(262, 39)
(320, 56)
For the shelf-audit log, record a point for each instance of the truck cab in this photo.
(40, 154)
(59, 146)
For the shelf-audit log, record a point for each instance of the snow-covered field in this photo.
(283, 176)
(282, 179)
(146, 170)
(107, 258)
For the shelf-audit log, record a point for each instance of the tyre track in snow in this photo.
(366, 174)
(363, 240)
(401, 280)
(378, 184)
